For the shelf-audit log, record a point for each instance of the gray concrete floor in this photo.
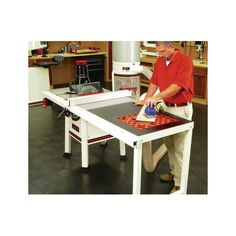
(50, 173)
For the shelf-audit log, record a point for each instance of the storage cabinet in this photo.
(200, 79)
(200, 85)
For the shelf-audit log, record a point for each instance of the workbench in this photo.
(98, 122)
(61, 74)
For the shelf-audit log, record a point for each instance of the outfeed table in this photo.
(98, 121)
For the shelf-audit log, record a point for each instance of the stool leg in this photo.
(88, 74)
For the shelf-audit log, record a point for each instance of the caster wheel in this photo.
(67, 155)
(84, 169)
(67, 113)
(123, 158)
(75, 117)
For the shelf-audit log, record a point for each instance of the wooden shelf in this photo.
(150, 60)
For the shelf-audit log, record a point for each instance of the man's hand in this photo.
(152, 101)
(139, 102)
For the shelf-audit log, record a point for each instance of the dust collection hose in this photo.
(150, 161)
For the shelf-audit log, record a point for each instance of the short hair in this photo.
(166, 43)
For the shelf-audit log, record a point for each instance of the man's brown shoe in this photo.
(176, 188)
(167, 177)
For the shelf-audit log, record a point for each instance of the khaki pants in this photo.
(175, 143)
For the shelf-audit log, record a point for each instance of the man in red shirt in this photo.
(173, 75)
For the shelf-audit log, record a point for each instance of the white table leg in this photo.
(84, 143)
(137, 168)
(67, 136)
(186, 160)
(122, 151)
(122, 148)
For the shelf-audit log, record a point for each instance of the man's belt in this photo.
(177, 105)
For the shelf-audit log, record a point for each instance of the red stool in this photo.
(81, 72)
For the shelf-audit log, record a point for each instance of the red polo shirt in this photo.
(179, 72)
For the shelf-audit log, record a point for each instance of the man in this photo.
(173, 74)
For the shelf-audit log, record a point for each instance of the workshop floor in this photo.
(50, 173)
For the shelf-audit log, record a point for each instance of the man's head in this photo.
(165, 49)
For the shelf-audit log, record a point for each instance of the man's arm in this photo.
(151, 90)
(168, 92)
